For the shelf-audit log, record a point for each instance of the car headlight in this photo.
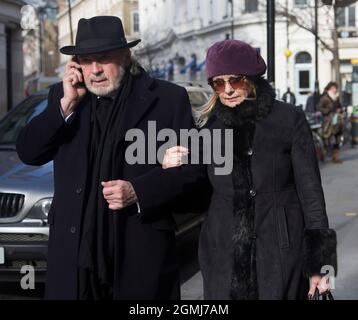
(40, 209)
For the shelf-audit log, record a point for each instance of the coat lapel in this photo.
(139, 101)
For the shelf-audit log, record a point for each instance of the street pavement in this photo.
(340, 184)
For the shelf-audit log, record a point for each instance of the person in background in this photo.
(289, 97)
(310, 104)
(333, 124)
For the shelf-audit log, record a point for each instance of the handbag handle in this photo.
(325, 296)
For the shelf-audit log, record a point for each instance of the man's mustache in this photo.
(101, 78)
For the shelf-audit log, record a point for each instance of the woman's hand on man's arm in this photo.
(174, 157)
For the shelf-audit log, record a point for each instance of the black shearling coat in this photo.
(290, 232)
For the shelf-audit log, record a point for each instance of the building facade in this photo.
(11, 56)
(177, 33)
(41, 54)
(347, 21)
(127, 10)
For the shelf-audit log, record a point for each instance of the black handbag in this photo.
(324, 296)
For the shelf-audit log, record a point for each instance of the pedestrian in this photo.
(266, 230)
(310, 103)
(289, 97)
(112, 235)
(333, 123)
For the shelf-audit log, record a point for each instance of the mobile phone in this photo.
(80, 84)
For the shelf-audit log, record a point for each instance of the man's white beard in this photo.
(108, 90)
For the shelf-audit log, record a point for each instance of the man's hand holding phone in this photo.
(73, 87)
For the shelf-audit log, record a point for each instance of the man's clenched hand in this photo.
(119, 194)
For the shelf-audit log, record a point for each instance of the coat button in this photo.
(250, 152)
(73, 230)
(79, 190)
(252, 193)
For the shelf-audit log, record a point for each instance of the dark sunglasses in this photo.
(218, 85)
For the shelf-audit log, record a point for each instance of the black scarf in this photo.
(97, 246)
(242, 119)
(248, 110)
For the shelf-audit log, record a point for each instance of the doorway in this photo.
(304, 78)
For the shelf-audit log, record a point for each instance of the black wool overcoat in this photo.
(148, 269)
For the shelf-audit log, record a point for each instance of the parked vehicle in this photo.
(26, 194)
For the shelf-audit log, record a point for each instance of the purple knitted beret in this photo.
(233, 57)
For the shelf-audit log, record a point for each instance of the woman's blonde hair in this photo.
(202, 114)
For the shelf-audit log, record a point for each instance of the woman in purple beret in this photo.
(266, 232)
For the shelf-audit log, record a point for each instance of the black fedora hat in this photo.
(99, 34)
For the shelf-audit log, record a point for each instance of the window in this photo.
(341, 17)
(51, 14)
(135, 22)
(355, 74)
(346, 17)
(211, 17)
(251, 6)
(226, 9)
(303, 57)
(186, 11)
(300, 3)
(177, 11)
(351, 16)
(304, 79)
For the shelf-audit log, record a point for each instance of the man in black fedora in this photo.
(111, 229)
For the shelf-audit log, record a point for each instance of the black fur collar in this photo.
(247, 111)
